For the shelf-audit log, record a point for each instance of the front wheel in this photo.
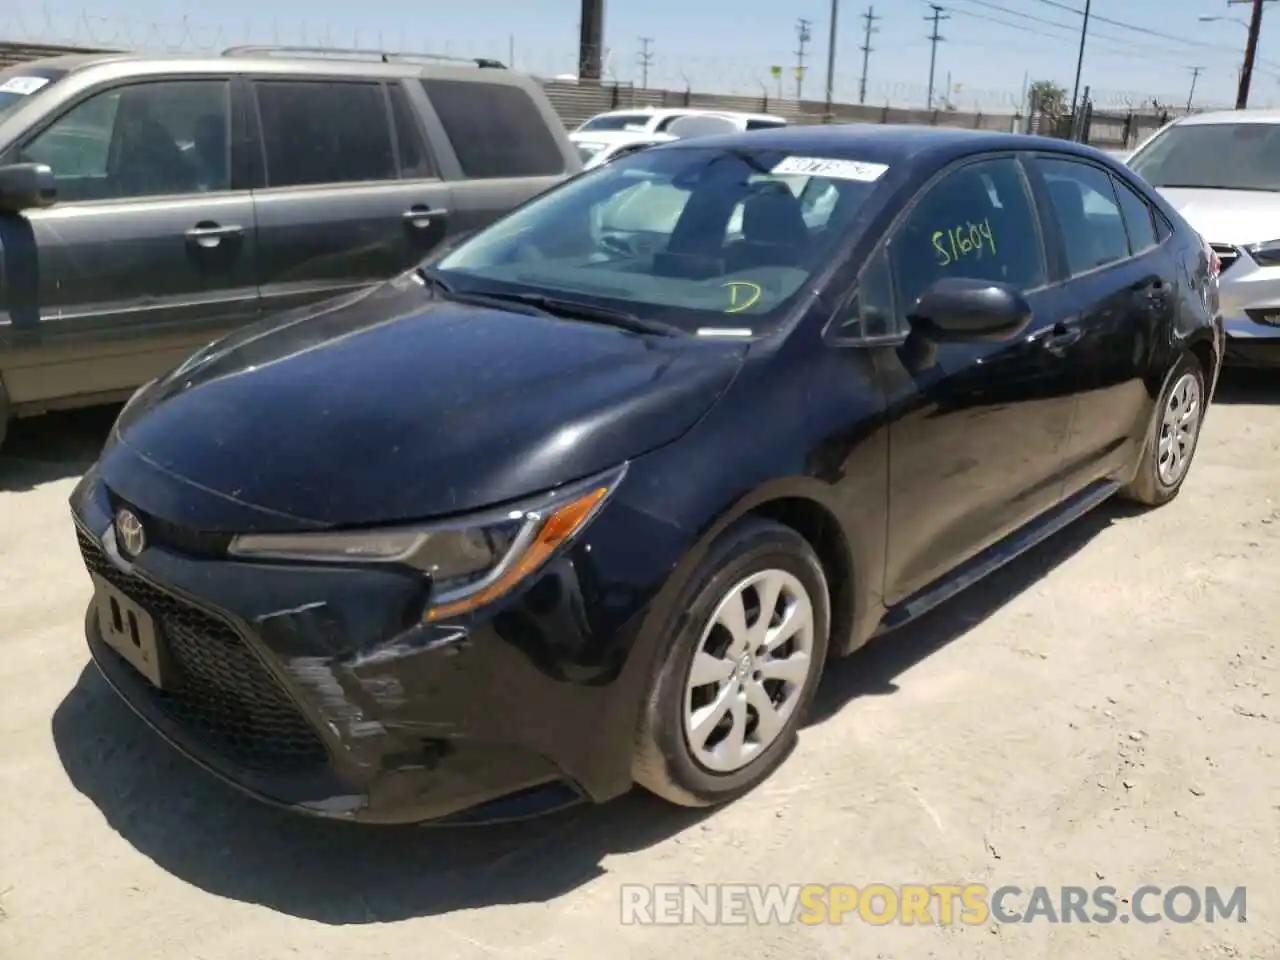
(1171, 443)
(740, 670)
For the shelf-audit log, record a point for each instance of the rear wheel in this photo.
(740, 670)
(1171, 442)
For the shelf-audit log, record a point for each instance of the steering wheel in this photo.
(619, 243)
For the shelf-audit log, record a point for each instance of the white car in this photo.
(600, 148)
(1221, 171)
(658, 119)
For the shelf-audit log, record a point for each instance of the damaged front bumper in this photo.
(321, 689)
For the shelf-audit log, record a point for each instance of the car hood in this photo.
(393, 405)
(1237, 217)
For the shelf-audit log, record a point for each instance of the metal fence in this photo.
(576, 102)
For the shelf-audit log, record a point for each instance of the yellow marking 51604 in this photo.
(964, 240)
(743, 295)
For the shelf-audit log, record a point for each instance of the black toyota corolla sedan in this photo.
(590, 499)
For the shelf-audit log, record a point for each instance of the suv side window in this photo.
(1088, 213)
(151, 139)
(976, 222)
(1137, 218)
(322, 132)
(496, 129)
(415, 161)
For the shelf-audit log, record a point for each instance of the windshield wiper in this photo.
(589, 312)
(433, 280)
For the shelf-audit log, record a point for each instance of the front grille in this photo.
(221, 693)
(1227, 254)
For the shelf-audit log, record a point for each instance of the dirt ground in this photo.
(1104, 711)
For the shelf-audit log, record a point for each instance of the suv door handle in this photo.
(208, 235)
(1061, 337)
(420, 215)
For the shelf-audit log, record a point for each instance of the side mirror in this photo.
(26, 186)
(958, 309)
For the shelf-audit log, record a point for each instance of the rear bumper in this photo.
(320, 690)
(1250, 344)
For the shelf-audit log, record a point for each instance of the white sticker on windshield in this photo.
(832, 169)
(24, 86)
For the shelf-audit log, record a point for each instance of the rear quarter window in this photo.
(496, 129)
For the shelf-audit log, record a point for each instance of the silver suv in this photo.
(151, 204)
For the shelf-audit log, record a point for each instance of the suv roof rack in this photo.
(351, 53)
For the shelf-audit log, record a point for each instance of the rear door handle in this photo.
(420, 215)
(209, 235)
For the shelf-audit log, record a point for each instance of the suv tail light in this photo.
(1215, 265)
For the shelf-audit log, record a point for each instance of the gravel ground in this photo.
(1103, 711)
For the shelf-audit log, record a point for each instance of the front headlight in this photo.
(471, 562)
(1265, 254)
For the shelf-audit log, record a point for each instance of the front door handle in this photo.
(1061, 337)
(420, 216)
(208, 235)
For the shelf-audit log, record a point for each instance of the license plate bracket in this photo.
(130, 631)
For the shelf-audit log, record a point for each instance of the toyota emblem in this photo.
(130, 536)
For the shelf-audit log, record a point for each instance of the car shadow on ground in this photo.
(56, 446)
(871, 670)
(207, 834)
(1247, 386)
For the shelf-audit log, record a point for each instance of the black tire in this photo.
(663, 762)
(1147, 487)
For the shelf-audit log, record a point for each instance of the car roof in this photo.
(265, 60)
(885, 143)
(1230, 116)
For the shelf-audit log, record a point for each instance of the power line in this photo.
(645, 59)
(934, 39)
(803, 35)
(1115, 43)
(1144, 30)
(869, 20)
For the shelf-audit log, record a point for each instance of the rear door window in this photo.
(325, 132)
(1137, 218)
(415, 161)
(1088, 213)
(496, 129)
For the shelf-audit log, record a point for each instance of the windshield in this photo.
(699, 238)
(20, 84)
(617, 121)
(1224, 156)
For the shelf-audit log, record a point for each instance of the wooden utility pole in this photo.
(828, 114)
(1195, 75)
(1250, 51)
(870, 27)
(934, 39)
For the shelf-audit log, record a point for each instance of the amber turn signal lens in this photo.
(555, 530)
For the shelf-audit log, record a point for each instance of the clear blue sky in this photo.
(991, 46)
